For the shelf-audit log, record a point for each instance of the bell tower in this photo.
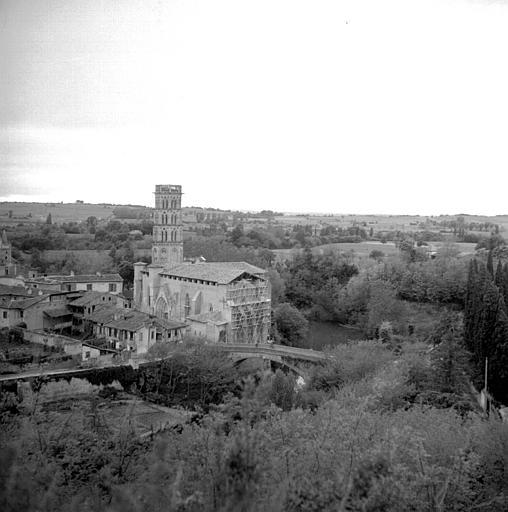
(167, 248)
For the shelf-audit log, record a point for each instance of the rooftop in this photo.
(92, 297)
(214, 317)
(83, 278)
(221, 273)
(8, 303)
(57, 312)
(130, 320)
(13, 290)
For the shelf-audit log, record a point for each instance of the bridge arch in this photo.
(276, 360)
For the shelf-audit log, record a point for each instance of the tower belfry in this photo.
(167, 248)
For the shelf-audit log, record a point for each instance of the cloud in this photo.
(279, 105)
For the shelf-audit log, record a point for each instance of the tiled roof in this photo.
(215, 317)
(129, 319)
(103, 313)
(57, 312)
(221, 273)
(92, 297)
(7, 303)
(12, 290)
(84, 278)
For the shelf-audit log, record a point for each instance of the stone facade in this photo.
(167, 246)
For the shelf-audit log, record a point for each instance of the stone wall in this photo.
(68, 345)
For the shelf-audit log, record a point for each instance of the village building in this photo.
(111, 283)
(98, 351)
(32, 312)
(222, 302)
(132, 330)
(88, 302)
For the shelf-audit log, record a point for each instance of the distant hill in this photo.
(14, 213)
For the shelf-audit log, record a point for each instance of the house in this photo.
(132, 330)
(98, 351)
(35, 311)
(14, 292)
(105, 283)
(89, 301)
(57, 319)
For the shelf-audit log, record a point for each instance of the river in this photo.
(322, 334)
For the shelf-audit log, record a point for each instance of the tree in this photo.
(490, 263)
(376, 254)
(49, 219)
(277, 286)
(126, 271)
(383, 306)
(291, 326)
(450, 364)
(236, 234)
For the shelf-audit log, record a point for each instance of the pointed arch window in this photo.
(187, 305)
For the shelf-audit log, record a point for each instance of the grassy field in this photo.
(362, 249)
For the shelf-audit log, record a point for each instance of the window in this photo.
(87, 354)
(112, 287)
(152, 335)
(4, 314)
(21, 314)
(88, 287)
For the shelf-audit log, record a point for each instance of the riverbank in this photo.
(322, 334)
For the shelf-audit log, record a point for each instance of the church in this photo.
(225, 302)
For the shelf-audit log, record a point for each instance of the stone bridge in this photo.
(280, 354)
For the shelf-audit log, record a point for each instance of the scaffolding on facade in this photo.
(250, 311)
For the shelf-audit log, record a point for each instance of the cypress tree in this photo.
(505, 284)
(469, 304)
(479, 305)
(487, 321)
(499, 277)
(490, 264)
(498, 355)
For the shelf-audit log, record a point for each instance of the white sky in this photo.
(358, 106)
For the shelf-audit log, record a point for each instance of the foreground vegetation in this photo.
(382, 426)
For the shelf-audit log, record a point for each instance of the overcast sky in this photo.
(354, 106)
